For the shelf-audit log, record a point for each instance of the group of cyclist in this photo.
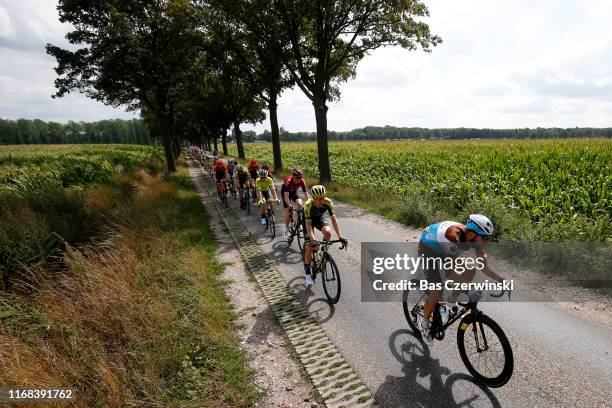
(444, 239)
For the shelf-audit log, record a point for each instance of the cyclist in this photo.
(215, 154)
(231, 166)
(449, 239)
(265, 190)
(220, 172)
(289, 190)
(266, 167)
(253, 168)
(243, 182)
(314, 212)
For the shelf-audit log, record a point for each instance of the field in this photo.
(33, 167)
(550, 183)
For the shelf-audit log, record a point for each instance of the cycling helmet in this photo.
(263, 172)
(318, 191)
(219, 162)
(297, 172)
(480, 224)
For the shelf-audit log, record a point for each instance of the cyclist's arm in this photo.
(286, 197)
(309, 230)
(490, 272)
(334, 221)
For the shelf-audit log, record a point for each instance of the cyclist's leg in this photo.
(285, 197)
(326, 232)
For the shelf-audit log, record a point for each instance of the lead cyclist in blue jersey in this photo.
(448, 239)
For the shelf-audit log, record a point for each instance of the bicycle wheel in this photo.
(247, 202)
(298, 235)
(331, 280)
(485, 350)
(271, 225)
(413, 302)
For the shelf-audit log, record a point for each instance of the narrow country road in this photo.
(561, 359)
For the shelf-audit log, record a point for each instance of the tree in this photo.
(259, 53)
(141, 54)
(239, 95)
(329, 37)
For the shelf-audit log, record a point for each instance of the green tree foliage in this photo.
(25, 131)
(137, 54)
(415, 133)
(259, 54)
(329, 37)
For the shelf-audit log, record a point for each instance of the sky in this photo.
(502, 64)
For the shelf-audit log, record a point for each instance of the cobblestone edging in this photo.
(334, 379)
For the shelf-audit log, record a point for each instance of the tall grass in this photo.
(133, 315)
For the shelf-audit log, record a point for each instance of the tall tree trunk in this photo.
(239, 140)
(323, 152)
(276, 149)
(166, 137)
(215, 143)
(224, 141)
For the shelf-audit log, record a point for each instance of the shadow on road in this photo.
(318, 307)
(459, 390)
(281, 253)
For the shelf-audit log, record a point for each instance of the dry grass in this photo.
(138, 318)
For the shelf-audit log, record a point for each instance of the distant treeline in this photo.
(25, 131)
(392, 132)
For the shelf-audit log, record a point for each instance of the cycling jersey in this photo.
(291, 184)
(219, 171)
(264, 184)
(243, 178)
(434, 238)
(230, 171)
(253, 171)
(314, 213)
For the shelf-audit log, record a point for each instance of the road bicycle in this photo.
(296, 228)
(325, 265)
(483, 345)
(222, 192)
(269, 217)
(232, 187)
(245, 203)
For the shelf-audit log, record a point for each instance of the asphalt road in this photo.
(560, 359)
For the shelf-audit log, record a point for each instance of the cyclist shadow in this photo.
(457, 391)
(318, 307)
(283, 254)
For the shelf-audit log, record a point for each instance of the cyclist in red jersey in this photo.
(289, 190)
(253, 168)
(220, 172)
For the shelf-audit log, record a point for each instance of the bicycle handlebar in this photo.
(331, 242)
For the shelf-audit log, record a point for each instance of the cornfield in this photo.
(35, 167)
(550, 180)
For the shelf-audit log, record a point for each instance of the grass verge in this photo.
(138, 315)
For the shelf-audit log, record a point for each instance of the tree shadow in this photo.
(459, 390)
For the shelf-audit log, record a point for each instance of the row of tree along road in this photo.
(196, 68)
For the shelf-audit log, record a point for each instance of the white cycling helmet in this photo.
(480, 224)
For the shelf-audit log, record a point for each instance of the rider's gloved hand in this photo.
(344, 242)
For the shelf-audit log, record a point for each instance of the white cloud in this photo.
(6, 25)
(502, 64)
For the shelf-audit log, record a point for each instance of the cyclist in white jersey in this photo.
(448, 239)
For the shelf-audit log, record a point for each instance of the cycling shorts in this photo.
(292, 196)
